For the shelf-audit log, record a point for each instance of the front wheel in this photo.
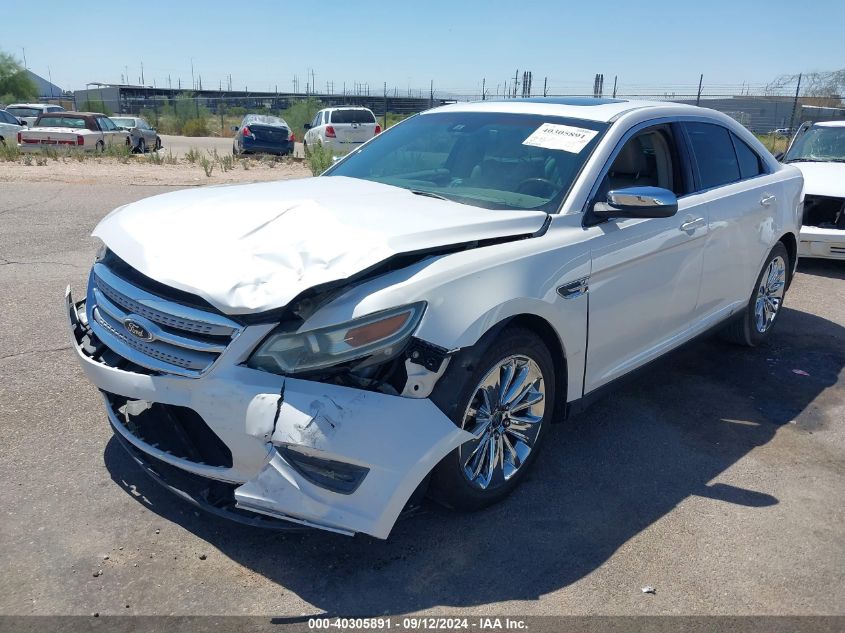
(506, 403)
(754, 325)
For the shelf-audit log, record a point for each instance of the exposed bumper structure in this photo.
(821, 242)
(263, 419)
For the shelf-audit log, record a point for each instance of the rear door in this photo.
(109, 130)
(741, 200)
(353, 125)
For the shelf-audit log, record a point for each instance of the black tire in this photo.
(158, 143)
(100, 147)
(449, 484)
(142, 146)
(743, 329)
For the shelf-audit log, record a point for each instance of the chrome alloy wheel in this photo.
(505, 416)
(770, 294)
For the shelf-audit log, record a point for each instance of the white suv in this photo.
(342, 129)
(321, 349)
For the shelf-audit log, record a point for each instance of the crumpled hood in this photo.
(823, 179)
(251, 248)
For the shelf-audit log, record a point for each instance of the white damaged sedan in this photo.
(324, 351)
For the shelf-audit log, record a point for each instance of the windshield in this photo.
(61, 121)
(486, 159)
(819, 143)
(130, 123)
(352, 116)
(22, 112)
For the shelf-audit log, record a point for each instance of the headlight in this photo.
(380, 335)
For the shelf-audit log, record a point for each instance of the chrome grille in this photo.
(176, 339)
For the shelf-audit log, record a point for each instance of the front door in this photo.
(646, 273)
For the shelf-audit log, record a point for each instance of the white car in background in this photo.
(321, 350)
(27, 113)
(818, 150)
(341, 129)
(85, 131)
(9, 128)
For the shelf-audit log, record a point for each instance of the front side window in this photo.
(648, 159)
(820, 143)
(485, 159)
(714, 154)
(7, 118)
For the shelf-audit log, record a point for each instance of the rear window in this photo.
(24, 112)
(124, 122)
(353, 116)
(750, 164)
(61, 121)
(714, 153)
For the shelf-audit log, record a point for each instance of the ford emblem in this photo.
(137, 330)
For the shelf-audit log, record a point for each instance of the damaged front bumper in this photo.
(316, 454)
(817, 241)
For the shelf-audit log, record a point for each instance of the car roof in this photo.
(829, 123)
(589, 108)
(33, 105)
(351, 107)
(71, 113)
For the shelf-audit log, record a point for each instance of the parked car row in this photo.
(413, 321)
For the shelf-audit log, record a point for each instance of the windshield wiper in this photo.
(429, 194)
(807, 160)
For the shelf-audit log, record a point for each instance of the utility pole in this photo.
(483, 89)
(431, 95)
(142, 73)
(193, 81)
(384, 118)
(515, 80)
(545, 86)
(23, 50)
(700, 82)
(615, 77)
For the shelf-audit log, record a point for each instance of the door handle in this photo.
(692, 224)
(767, 200)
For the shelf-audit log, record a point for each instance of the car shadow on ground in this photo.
(603, 477)
(831, 268)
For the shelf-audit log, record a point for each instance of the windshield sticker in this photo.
(563, 137)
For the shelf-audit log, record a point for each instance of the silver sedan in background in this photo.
(141, 133)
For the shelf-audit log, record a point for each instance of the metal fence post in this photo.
(795, 105)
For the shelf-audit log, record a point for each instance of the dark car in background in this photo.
(261, 133)
(142, 135)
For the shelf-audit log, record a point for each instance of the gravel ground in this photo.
(105, 170)
(717, 477)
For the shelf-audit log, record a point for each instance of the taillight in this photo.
(292, 137)
(378, 129)
(330, 132)
(246, 131)
(80, 140)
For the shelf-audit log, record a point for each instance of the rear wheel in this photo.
(142, 146)
(100, 146)
(761, 313)
(506, 403)
(158, 143)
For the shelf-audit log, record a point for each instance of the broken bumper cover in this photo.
(821, 242)
(261, 417)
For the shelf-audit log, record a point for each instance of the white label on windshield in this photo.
(564, 137)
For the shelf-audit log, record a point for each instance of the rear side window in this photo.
(353, 116)
(750, 164)
(714, 153)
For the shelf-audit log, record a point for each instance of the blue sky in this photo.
(406, 44)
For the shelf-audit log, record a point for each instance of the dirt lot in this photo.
(717, 476)
(137, 172)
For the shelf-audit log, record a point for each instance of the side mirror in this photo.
(637, 202)
(307, 126)
(779, 156)
(235, 128)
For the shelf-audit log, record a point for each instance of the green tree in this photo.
(15, 83)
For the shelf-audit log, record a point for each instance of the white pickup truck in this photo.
(88, 131)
